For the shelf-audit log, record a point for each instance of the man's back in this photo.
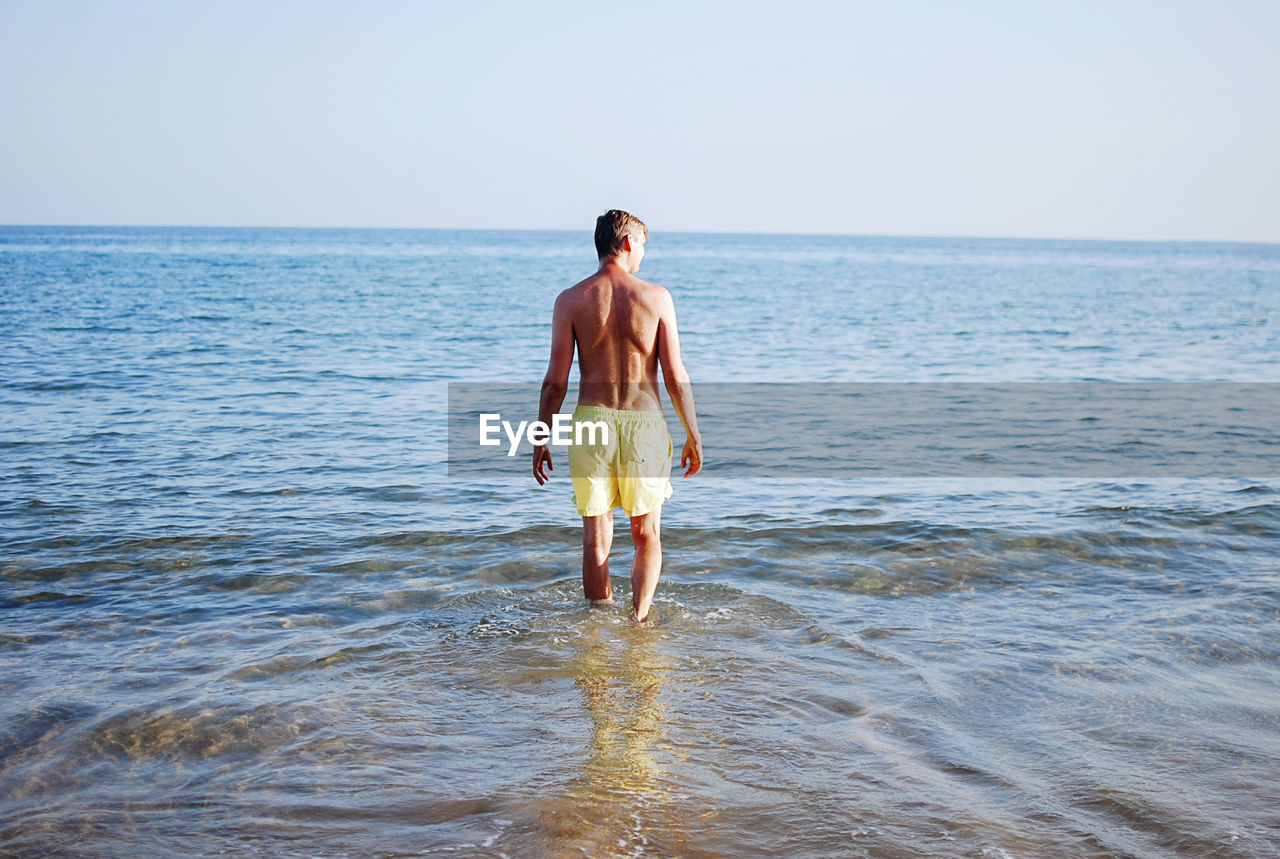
(617, 320)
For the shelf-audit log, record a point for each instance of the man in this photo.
(623, 329)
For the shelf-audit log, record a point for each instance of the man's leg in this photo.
(645, 531)
(597, 540)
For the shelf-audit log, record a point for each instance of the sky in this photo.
(1112, 120)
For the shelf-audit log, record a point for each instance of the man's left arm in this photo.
(555, 384)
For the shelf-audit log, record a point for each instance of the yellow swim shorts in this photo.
(631, 471)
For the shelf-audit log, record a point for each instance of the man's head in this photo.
(614, 228)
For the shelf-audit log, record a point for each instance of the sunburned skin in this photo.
(624, 332)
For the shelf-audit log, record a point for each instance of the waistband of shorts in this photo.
(653, 415)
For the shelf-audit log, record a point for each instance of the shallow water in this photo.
(244, 608)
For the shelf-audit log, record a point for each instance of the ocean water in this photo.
(245, 607)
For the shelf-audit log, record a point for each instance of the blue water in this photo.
(244, 606)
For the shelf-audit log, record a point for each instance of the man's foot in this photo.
(605, 601)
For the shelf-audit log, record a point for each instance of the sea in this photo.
(246, 607)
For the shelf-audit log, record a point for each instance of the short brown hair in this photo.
(613, 227)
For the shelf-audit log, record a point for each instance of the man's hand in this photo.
(541, 457)
(692, 455)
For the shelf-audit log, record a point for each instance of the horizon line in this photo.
(587, 230)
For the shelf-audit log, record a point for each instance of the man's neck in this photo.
(616, 264)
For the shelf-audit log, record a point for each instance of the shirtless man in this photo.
(623, 329)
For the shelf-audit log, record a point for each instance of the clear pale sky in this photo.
(1147, 120)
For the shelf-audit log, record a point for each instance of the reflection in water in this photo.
(622, 798)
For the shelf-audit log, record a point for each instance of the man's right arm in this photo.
(680, 389)
(555, 384)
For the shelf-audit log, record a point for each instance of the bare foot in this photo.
(605, 601)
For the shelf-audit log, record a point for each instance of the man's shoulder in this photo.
(651, 290)
(659, 298)
(575, 291)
